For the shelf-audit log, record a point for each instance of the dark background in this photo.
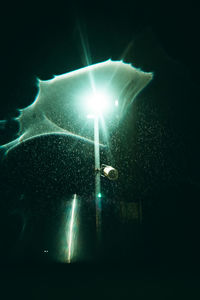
(159, 165)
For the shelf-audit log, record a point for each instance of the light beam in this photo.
(71, 229)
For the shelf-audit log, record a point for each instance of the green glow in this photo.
(97, 103)
(61, 103)
(70, 241)
(99, 195)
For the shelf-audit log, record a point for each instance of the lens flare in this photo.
(97, 103)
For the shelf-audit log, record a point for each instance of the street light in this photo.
(97, 104)
(60, 103)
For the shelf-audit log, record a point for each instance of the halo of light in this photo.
(97, 103)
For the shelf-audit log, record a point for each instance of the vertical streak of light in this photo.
(71, 228)
(85, 46)
(87, 55)
(97, 176)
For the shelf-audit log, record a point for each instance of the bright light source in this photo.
(90, 116)
(99, 195)
(116, 102)
(98, 103)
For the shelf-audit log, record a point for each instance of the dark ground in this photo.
(157, 256)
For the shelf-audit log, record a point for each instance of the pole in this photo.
(97, 178)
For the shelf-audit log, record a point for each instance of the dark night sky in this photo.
(40, 39)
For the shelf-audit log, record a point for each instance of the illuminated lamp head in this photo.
(98, 104)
